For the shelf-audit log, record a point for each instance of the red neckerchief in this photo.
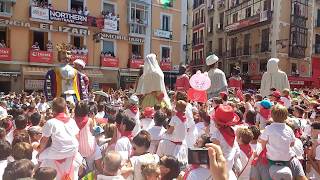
(9, 126)
(287, 96)
(262, 156)
(228, 134)
(62, 117)
(127, 134)
(134, 109)
(81, 121)
(280, 101)
(265, 113)
(191, 168)
(246, 148)
(298, 133)
(181, 116)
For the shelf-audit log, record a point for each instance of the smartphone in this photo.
(198, 156)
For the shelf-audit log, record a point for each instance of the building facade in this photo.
(112, 36)
(247, 33)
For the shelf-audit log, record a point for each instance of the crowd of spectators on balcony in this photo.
(79, 10)
(110, 15)
(42, 4)
(166, 60)
(107, 54)
(3, 44)
(79, 50)
(35, 46)
(136, 56)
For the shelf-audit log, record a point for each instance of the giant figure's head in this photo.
(272, 65)
(64, 52)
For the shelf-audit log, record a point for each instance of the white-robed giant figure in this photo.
(151, 87)
(273, 78)
(217, 77)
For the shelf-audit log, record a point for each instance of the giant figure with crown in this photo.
(64, 80)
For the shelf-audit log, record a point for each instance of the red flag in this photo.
(197, 96)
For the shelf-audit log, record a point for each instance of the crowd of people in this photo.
(41, 4)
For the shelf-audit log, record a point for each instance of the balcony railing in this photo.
(197, 41)
(298, 20)
(136, 28)
(297, 51)
(136, 63)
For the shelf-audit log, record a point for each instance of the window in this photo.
(267, 5)
(108, 48)
(318, 18)
(245, 67)
(211, 25)
(263, 66)
(136, 51)
(220, 46)
(201, 37)
(201, 55)
(248, 12)
(210, 46)
(246, 48)
(77, 41)
(41, 38)
(294, 69)
(196, 19)
(3, 35)
(233, 47)
(166, 23)
(165, 52)
(108, 8)
(195, 38)
(265, 40)
(77, 5)
(5, 7)
(139, 13)
(202, 16)
(235, 17)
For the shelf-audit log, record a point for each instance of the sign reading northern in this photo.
(68, 17)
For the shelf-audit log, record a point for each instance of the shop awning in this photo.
(94, 73)
(35, 71)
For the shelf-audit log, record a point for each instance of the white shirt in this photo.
(64, 142)
(199, 173)
(147, 123)
(298, 148)
(313, 174)
(156, 133)
(100, 115)
(287, 102)
(3, 165)
(279, 137)
(42, 107)
(180, 129)
(124, 147)
(201, 128)
(103, 177)
(137, 161)
(192, 131)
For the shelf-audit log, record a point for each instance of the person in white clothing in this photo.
(101, 113)
(62, 154)
(157, 131)
(111, 167)
(123, 144)
(132, 111)
(224, 135)
(286, 99)
(43, 105)
(5, 149)
(147, 122)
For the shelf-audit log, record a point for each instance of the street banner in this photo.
(39, 13)
(5, 54)
(111, 24)
(109, 62)
(79, 56)
(41, 56)
(165, 66)
(136, 63)
(197, 96)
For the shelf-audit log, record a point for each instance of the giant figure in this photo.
(273, 78)
(151, 87)
(62, 81)
(217, 77)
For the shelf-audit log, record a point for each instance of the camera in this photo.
(198, 156)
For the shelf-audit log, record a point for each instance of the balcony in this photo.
(137, 28)
(163, 34)
(199, 21)
(198, 41)
(250, 21)
(36, 56)
(5, 54)
(109, 61)
(297, 51)
(299, 21)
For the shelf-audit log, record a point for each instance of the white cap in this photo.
(134, 99)
(212, 59)
(80, 62)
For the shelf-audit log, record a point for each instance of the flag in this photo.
(166, 3)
